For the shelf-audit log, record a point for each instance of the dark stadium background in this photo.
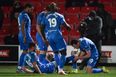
(73, 10)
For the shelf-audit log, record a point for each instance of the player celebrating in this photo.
(34, 65)
(24, 35)
(52, 23)
(88, 47)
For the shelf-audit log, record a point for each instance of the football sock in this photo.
(97, 70)
(71, 58)
(57, 58)
(74, 65)
(21, 59)
(62, 61)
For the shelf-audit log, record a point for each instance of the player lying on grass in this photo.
(88, 47)
(32, 64)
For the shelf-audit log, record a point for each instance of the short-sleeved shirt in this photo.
(52, 23)
(87, 45)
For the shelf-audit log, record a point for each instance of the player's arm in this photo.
(23, 31)
(67, 25)
(82, 55)
(63, 22)
(40, 30)
(37, 69)
(25, 69)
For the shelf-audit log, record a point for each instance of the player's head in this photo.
(82, 28)
(29, 8)
(100, 7)
(32, 46)
(50, 56)
(92, 14)
(52, 7)
(75, 43)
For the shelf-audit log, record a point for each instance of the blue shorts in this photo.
(47, 68)
(41, 45)
(92, 62)
(56, 41)
(24, 46)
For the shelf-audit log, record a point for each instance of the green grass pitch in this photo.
(10, 71)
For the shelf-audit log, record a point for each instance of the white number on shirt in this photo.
(52, 22)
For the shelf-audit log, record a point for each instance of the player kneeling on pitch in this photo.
(88, 47)
(33, 65)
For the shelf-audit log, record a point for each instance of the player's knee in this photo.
(63, 52)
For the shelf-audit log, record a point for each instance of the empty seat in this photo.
(110, 9)
(62, 8)
(114, 16)
(87, 9)
(74, 34)
(38, 7)
(73, 10)
(60, 1)
(104, 1)
(72, 19)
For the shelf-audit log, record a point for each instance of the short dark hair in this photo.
(82, 28)
(28, 5)
(52, 7)
(31, 45)
(92, 13)
(74, 41)
(100, 5)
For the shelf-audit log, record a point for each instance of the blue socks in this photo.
(62, 61)
(57, 58)
(42, 57)
(97, 70)
(21, 59)
(74, 64)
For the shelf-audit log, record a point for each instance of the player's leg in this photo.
(89, 69)
(56, 53)
(57, 57)
(61, 47)
(24, 47)
(21, 59)
(42, 47)
(22, 56)
(90, 66)
(83, 63)
(74, 64)
(51, 67)
(62, 58)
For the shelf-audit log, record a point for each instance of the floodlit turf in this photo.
(9, 71)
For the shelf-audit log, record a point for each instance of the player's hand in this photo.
(76, 58)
